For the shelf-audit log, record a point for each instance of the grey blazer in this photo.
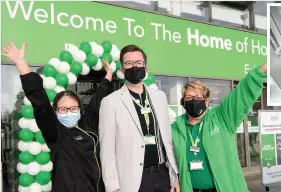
(121, 140)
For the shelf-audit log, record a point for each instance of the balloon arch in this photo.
(34, 159)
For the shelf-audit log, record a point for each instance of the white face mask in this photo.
(69, 119)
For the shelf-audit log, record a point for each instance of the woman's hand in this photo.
(107, 69)
(263, 68)
(17, 56)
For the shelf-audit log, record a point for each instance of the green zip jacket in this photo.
(218, 136)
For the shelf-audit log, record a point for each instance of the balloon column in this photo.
(34, 160)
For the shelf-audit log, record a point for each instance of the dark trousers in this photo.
(155, 179)
(206, 190)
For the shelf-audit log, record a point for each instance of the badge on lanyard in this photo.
(194, 149)
(196, 165)
(149, 140)
(146, 110)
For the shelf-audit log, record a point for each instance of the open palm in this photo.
(13, 53)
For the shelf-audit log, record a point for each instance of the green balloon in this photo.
(20, 95)
(39, 138)
(43, 177)
(26, 180)
(107, 56)
(123, 81)
(25, 157)
(62, 80)
(26, 135)
(42, 158)
(91, 60)
(66, 56)
(86, 47)
(51, 93)
(49, 71)
(76, 68)
(27, 111)
(118, 65)
(107, 46)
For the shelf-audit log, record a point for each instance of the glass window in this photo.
(172, 87)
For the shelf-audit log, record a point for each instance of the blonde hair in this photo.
(197, 85)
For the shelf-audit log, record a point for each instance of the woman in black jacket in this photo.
(70, 133)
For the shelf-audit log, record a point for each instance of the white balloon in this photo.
(63, 67)
(113, 66)
(24, 123)
(47, 187)
(23, 146)
(97, 50)
(82, 56)
(33, 127)
(98, 66)
(85, 69)
(33, 168)
(45, 148)
(34, 187)
(49, 83)
(72, 79)
(22, 168)
(43, 77)
(59, 89)
(34, 148)
(79, 56)
(54, 62)
(47, 167)
(153, 86)
(146, 75)
(115, 53)
(93, 44)
(26, 101)
(120, 75)
(72, 48)
(23, 189)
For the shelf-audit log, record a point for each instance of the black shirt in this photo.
(151, 153)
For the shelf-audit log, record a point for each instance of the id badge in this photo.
(145, 110)
(196, 165)
(194, 149)
(149, 140)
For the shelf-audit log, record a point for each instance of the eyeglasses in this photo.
(130, 64)
(189, 98)
(64, 110)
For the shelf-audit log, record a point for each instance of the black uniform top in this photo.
(73, 151)
(151, 156)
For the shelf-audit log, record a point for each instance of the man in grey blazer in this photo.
(135, 133)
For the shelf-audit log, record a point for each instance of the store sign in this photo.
(174, 46)
(173, 112)
(270, 130)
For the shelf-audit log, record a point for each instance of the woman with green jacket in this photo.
(204, 139)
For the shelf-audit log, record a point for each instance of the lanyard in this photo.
(146, 116)
(197, 140)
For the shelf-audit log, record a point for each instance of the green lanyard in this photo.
(197, 140)
(146, 116)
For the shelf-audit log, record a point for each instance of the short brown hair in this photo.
(197, 85)
(131, 48)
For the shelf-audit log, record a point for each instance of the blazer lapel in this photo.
(128, 102)
(157, 107)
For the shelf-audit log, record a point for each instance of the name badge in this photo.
(194, 149)
(145, 110)
(196, 165)
(149, 140)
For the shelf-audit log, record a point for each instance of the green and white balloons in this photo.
(35, 165)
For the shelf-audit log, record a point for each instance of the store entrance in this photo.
(86, 85)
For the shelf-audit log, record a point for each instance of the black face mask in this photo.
(135, 74)
(195, 108)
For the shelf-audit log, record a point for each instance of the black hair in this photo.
(66, 93)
